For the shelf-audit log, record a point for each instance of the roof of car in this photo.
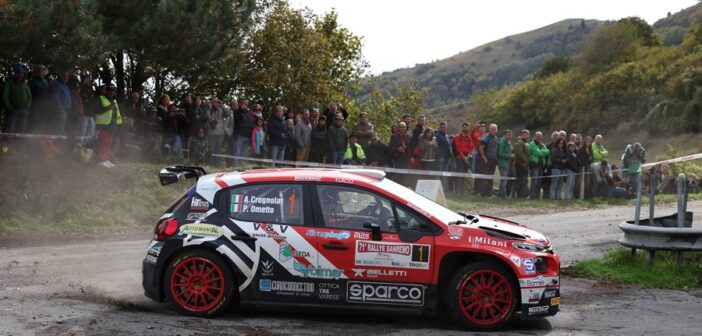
(208, 185)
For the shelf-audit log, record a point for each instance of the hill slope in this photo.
(493, 65)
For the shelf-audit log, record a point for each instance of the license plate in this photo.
(555, 301)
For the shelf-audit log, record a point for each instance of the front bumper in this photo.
(541, 296)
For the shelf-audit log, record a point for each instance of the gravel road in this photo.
(94, 288)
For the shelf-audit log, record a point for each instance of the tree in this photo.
(62, 34)
(553, 66)
(300, 59)
(180, 43)
(386, 108)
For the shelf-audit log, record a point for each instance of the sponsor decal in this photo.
(385, 293)
(329, 234)
(308, 178)
(265, 285)
(454, 237)
(374, 273)
(269, 231)
(151, 259)
(195, 216)
(455, 231)
(326, 291)
(478, 241)
(201, 229)
(317, 272)
(398, 255)
(515, 260)
(529, 266)
(267, 268)
(535, 295)
(155, 250)
(259, 205)
(343, 180)
(199, 204)
(418, 209)
(361, 235)
(401, 249)
(550, 293)
(537, 310)
(539, 281)
(286, 288)
(285, 252)
(555, 301)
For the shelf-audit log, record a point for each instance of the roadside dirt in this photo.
(91, 285)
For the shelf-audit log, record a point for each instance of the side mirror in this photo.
(375, 230)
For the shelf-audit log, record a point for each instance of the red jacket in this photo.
(464, 145)
(477, 135)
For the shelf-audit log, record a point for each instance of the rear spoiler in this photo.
(175, 174)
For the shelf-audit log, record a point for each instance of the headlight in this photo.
(529, 247)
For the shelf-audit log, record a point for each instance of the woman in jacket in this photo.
(559, 158)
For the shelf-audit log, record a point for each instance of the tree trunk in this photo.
(118, 62)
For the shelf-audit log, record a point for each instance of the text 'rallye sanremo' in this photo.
(351, 240)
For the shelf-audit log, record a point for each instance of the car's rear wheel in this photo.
(199, 283)
(481, 296)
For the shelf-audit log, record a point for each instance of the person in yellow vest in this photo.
(354, 154)
(107, 118)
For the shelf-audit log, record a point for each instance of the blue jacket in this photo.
(443, 150)
(276, 128)
(61, 95)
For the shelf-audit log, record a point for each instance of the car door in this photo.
(358, 231)
(274, 216)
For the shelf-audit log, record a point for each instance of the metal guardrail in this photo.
(669, 233)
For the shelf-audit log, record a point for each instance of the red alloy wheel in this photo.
(197, 284)
(485, 297)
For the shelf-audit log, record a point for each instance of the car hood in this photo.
(502, 228)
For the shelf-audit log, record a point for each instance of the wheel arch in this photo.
(454, 260)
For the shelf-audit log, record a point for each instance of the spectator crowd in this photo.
(560, 167)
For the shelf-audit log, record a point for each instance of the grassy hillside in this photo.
(493, 65)
(69, 196)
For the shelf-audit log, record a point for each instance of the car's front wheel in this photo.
(481, 296)
(199, 283)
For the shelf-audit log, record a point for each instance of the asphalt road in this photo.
(94, 288)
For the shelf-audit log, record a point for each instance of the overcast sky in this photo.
(399, 34)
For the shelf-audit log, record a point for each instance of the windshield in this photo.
(421, 203)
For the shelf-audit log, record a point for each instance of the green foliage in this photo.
(687, 167)
(617, 265)
(59, 33)
(553, 66)
(300, 58)
(386, 108)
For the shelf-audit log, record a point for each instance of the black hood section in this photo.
(492, 232)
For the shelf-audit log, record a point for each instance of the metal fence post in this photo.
(638, 201)
(680, 180)
(651, 196)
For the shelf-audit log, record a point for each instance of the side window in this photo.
(267, 203)
(409, 221)
(350, 208)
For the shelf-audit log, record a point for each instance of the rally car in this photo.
(349, 240)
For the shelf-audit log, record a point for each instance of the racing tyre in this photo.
(481, 296)
(199, 283)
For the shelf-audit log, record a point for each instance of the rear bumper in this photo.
(151, 276)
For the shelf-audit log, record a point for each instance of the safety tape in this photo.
(432, 172)
(385, 169)
(34, 136)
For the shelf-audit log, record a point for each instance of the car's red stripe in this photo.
(219, 181)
